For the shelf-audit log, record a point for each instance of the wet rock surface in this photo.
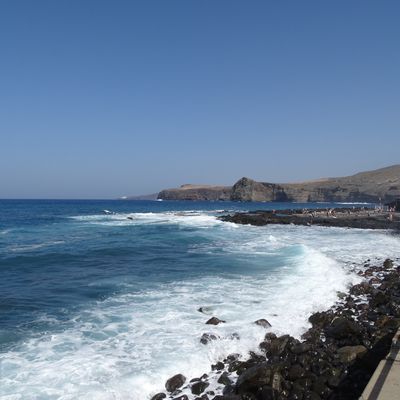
(159, 396)
(215, 321)
(208, 337)
(263, 322)
(175, 382)
(333, 360)
(199, 387)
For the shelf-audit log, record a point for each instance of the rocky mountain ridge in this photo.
(197, 192)
(371, 186)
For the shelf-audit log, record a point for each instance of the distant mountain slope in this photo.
(372, 186)
(197, 192)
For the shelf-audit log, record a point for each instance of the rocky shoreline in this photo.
(361, 217)
(337, 356)
(334, 360)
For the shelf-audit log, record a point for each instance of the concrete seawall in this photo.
(385, 382)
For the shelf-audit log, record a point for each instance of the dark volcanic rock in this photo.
(208, 337)
(361, 289)
(347, 354)
(255, 377)
(334, 361)
(224, 379)
(311, 396)
(278, 345)
(301, 348)
(199, 387)
(296, 371)
(320, 388)
(379, 299)
(214, 321)
(320, 319)
(388, 263)
(339, 355)
(342, 327)
(268, 393)
(159, 396)
(359, 218)
(204, 310)
(175, 382)
(218, 366)
(234, 336)
(263, 322)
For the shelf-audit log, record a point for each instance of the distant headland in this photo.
(381, 185)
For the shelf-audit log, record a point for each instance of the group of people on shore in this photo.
(331, 212)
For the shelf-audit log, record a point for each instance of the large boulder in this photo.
(342, 328)
(159, 396)
(347, 354)
(277, 346)
(255, 377)
(175, 382)
(301, 348)
(263, 322)
(268, 393)
(362, 288)
(224, 379)
(296, 371)
(199, 387)
(320, 319)
(379, 299)
(214, 321)
(388, 263)
(218, 366)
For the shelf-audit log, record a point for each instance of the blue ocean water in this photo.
(104, 305)
(53, 263)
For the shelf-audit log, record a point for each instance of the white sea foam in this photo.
(194, 218)
(354, 203)
(128, 345)
(33, 246)
(345, 203)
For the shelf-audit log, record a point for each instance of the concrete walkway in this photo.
(385, 382)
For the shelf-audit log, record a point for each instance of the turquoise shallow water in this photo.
(96, 305)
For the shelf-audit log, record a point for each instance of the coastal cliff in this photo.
(372, 186)
(197, 192)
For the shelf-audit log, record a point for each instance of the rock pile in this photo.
(335, 359)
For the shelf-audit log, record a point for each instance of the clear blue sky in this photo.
(100, 99)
